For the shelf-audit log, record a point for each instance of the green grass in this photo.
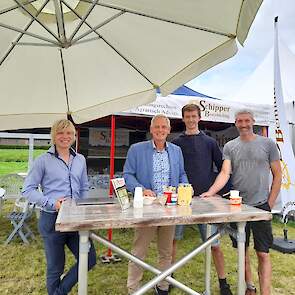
(16, 155)
(15, 160)
(13, 167)
(22, 268)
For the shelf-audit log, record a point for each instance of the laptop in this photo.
(96, 201)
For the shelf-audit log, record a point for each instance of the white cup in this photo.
(234, 193)
(138, 197)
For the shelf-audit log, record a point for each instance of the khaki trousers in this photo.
(142, 238)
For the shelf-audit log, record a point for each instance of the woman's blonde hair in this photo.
(61, 125)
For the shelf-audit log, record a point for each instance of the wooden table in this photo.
(207, 210)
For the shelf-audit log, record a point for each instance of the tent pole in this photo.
(112, 170)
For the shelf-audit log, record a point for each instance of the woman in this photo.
(60, 173)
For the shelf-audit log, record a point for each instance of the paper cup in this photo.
(234, 193)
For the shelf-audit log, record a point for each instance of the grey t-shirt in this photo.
(250, 162)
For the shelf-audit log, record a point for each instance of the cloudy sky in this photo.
(227, 80)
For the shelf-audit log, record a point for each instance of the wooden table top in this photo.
(203, 210)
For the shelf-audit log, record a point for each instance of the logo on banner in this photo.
(212, 109)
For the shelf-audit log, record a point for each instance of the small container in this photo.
(174, 198)
(185, 192)
(234, 193)
(235, 200)
(168, 194)
(138, 198)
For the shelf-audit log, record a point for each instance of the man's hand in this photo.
(148, 193)
(206, 194)
(58, 203)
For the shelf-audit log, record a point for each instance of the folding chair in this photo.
(12, 183)
(2, 193)
(19, 218)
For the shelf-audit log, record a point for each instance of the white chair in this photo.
(12, 183)
(2, 193)
(19, 218)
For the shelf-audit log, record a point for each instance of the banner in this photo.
(214, 110)
(283, 137)
(102, 137)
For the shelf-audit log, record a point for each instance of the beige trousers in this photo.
(142, 238)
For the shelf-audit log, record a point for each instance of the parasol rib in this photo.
(162, 19)
(21, 34)
(39, 22)
(15, 7)
(93, 30)
(83, 20)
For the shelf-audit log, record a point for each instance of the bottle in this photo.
(138, 197)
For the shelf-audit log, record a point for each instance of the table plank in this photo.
(203, 210)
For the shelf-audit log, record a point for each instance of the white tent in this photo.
(214, 110)
(259, 87)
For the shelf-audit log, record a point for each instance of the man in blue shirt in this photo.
(152, 165)
(200, 153)
(60, 173)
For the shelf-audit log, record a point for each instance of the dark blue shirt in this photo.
(200, 153)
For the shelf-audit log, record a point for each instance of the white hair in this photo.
(160, 116)
(244, 111)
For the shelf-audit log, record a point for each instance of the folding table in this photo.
(203, 210)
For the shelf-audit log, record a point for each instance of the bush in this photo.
(23, 147)
(17, 155)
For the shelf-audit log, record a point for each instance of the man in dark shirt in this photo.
(200, 153)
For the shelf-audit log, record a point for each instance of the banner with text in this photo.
(283, 138)
(211, 109)
(102, 137)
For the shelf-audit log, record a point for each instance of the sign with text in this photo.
(102, 137)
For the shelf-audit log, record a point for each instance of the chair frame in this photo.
(19, 221)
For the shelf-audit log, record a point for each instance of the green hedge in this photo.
(24, 147)
(17, 155)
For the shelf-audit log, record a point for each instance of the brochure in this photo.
(121, 192)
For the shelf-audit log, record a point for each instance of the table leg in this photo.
(241, 257)
(208, 263)
(83, 262)
(161, 275)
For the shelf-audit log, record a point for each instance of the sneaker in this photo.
(250, 291)
(225, 290)
(158, 291)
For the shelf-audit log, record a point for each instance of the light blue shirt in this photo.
(56, 179)
(161, 169)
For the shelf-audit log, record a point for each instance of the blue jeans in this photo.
(179, 230)
(54, 243)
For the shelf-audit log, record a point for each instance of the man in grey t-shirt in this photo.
(250, 158)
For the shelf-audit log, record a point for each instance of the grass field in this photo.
(22, 268)
(14, 160)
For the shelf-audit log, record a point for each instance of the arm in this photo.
(217, 156)
(31, 186)
(182, 174)
(276, 171)
(84, 188)
(221, 179)
(129, 171)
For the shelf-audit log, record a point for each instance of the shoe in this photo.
(225, 290)
(250, 291)
(158, 291)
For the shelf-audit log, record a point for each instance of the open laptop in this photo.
(96, 201)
